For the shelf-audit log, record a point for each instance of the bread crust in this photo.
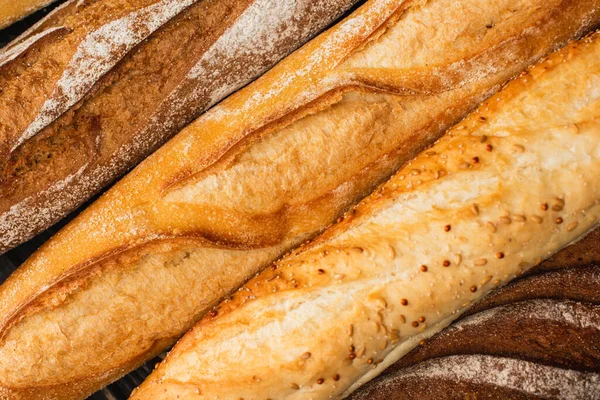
(12, 11)
(489, 201)
(86, 116)
(549, 318)
(268, 168)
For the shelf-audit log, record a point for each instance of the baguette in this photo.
(56, 153)
(268, 168)
(549, 318)
(12, 11)
(509, 186)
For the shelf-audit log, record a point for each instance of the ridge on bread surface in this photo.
(486, 203)
(147, 95)
(143, 264)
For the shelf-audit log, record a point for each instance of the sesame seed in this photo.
(523, 264)
(294, 386)
(415, 324)
(486, 280)
(519, 148)
(306, 356)
(339, 277)
(336, 377)
(424, 268)
(489, 147)
(431, 153)
(572, 226)
(350, 329)
(500, 255)
(537, 219)
(480, 262)
(483, 138)
(544, 207)
(505, 220)
(402, 319)
(447, 228)
(557, 207)
(463, 165)
(352, 356)
(321, 271)
(519, 218)
(213, 313)
(457, 259)
(404, 302)
(370, 361)
(475, 160)
(473, 289)
(446, 263)
(421, 319)
(475, 209)
(558, 220)
(320, 381)
(491, 226)
(361, 352)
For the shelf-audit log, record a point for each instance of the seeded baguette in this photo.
(512, 184)
(268, 168)
(99, 118)
(14, 10)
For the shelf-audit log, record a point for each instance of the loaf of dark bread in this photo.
(85, 96)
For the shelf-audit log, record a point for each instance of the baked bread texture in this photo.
(270, 167)
(510, 185)
(86, 97)
(542, 330)
(12, 11)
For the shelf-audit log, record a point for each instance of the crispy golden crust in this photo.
(12, 11)
(512, 184)
(268, 168)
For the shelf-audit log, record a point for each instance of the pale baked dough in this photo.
(509, 186)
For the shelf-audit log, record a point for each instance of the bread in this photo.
(12, 11)
(543, 329)
(79, 122)
(512, 184)
(268, 168)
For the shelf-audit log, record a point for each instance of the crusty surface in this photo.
(236, 189)
(465, 216)
(551, 318)
(198, 57)
(12, 11)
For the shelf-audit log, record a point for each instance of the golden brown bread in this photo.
(93, 97)
(268, 168)
(13, 10)
(512, 184)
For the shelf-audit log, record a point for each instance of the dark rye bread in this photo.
(538, 337)
(56, 155)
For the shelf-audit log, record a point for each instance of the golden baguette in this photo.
(14, 10)
(267, 169)
(509, 186)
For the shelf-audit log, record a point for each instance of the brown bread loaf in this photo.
(85, 96)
